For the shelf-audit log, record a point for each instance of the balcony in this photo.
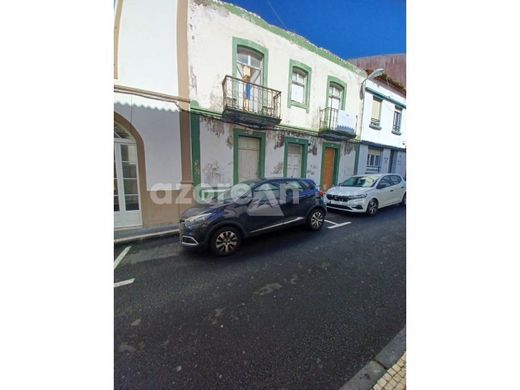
(375, 123)
(337, 125)
(250, 104)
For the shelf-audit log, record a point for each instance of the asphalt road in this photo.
(293, 309)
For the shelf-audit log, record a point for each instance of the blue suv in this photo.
(250, 208)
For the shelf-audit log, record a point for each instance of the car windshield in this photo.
(359, 181)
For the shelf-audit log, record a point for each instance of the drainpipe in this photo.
(374, 74)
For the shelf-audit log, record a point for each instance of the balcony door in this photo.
(250, 69)
(127, 205)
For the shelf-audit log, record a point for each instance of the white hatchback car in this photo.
(367, 193)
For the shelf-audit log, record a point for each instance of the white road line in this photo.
(339, 225)
(124, 282)
(121, 255)
(334, 223)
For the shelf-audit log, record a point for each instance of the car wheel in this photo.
(403, 202)
(372, 207)
(315, 219)
(225, 241)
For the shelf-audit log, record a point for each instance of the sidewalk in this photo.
(394, 378)
(386, 371)
(129, 235)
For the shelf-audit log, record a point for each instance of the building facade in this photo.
(207, 94)
(382, 147)
(152, 160)
(266, 102)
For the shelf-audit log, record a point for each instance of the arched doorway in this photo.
(127, 202)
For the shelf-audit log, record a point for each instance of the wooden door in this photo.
(328, 168)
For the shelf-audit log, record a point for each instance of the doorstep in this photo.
(137, 234)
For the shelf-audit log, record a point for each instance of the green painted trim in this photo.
(305, 145)
(261, 160)
(253, 46)
(290, 36)
(336, 161)
(387, 98)
(306, 69)
(356, 163)
(195, 149)
(333, 79)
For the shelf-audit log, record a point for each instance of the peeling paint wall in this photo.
(216, 153)
(211, 29)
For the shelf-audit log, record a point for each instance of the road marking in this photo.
(339, 225)
(121, 255)
(124, 282)
(334, 223)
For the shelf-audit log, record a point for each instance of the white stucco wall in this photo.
(216, 154)
(148, 46)
(157, 123)
(211, 30)
(385, 135)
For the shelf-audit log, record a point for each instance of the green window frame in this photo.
(335, 80)
(336, 162)
(261, 159)
(239, 42)
(305, 147)
(293, 64)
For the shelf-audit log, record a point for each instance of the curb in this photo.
(141, 237)
(368, 376)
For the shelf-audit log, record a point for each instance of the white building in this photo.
(151, 131)
(383, 136)
(266, 102)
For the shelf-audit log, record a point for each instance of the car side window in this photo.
(384, 182)
(266, 191)
(395, 179)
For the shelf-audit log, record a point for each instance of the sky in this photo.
(348, 28)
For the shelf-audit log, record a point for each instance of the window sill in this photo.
(375, 127)
(299, 105)
(396, 132)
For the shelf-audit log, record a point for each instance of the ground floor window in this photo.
(249, 155)
(373, 160)
(295, 159)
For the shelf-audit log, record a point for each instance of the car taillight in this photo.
(322, 193)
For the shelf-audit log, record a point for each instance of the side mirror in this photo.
(380, 186)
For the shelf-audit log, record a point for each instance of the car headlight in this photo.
(197, 218)
(360, 196)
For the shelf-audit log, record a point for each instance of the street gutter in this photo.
(368, 376)
(141, 237)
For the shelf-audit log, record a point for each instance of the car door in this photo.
(298, 199)
(384, 191)
(264, 209)
(399, 188)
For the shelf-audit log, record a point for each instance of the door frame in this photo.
(261, 158)
(120, 179)
(305, 150)
(336, 162)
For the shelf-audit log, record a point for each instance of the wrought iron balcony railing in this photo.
(251, 103)
(375, 122)
(341, 126)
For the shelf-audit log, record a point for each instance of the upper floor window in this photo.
(249, 65)
(375, 119)
(396, 128)
(299, 86)
(335, 97)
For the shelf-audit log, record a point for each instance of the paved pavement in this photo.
(394, 378)
(293, 309)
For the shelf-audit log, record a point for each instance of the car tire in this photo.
(372, 207)
(225, 241)
(403, 201)
(316, 219)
